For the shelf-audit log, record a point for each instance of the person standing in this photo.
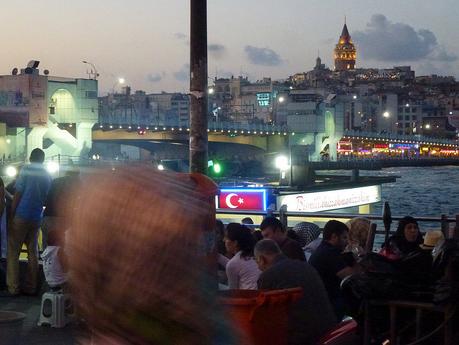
(32, 187)
(59, 203)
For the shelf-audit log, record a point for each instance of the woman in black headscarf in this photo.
(406, 239)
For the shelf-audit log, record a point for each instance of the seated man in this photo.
(54, 260)
(312, 316)
(329, 262)
(272, 228)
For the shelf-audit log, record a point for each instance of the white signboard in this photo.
(330, 200)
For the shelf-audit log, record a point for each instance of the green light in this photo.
(217, 168)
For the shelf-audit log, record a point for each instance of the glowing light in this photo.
(281, 99)
(211, 91)
(11, 171)
(217, 168)
(160, 167)
(8, 141)
(121, 81)
(281, 163)
(428, 126)
(52, 167)
(386, 114)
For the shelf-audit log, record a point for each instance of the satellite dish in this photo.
(45, 72)
(33, 64)
(14, 71)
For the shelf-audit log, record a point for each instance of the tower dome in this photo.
(345, 52)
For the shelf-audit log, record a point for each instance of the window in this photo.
(399, 117)
(414, 110)
(400, 110)
(407, 125)
(407, 117)
(414, 117)
(91, 94)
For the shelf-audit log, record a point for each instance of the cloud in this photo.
(217, 50)
(443, 56)
(155, 77)
(262, 56)
(183, 74)
(383, 40)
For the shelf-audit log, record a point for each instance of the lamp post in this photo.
(93, 72)
(198, 87)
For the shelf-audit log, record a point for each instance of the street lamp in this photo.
(386, 114)
(93, 71)
(281, 99)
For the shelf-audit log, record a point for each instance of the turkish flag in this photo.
(237, 199)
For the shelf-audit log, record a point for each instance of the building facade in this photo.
(53, 113)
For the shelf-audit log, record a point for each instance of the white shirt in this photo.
(242, 272)
(52, 268)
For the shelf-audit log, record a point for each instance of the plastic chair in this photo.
(56, 309)
(345, 333)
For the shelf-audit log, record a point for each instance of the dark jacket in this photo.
(312, 316)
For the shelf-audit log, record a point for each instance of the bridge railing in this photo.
(397, 137)
(122, 122)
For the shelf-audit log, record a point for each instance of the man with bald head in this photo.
(310, 317)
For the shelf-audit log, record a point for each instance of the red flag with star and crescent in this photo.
(242, 200)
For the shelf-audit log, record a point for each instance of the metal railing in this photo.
(444, 222)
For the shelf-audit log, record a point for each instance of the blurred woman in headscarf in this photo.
(137, 259)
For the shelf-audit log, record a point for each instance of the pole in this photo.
(198, 87)
(387, 220)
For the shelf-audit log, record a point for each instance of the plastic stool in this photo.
(56, 309)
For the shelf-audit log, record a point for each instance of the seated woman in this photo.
(241, 269)
(359, 229)
(406, 239)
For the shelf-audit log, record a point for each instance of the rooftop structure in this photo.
(345, 52)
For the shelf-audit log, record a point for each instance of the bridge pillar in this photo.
(84, 137)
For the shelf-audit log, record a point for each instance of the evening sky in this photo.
(146, 41)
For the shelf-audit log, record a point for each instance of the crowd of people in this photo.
(35, 201)
(316, 260)
(129, 247)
